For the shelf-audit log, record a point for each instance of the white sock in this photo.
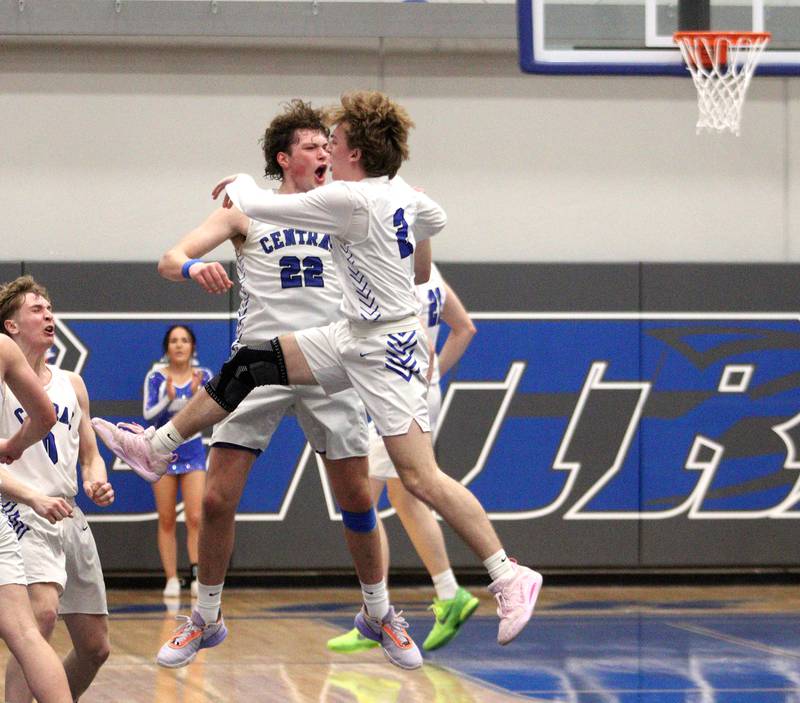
(445, 585)
(167, 439)
(499, 565)
(376, 599)
(209, 600)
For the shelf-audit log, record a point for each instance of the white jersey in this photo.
(432, 296)
(375, 223)
(287, 282)
(51, 464)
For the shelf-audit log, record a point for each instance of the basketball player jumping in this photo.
(287, 283)
(378, 226)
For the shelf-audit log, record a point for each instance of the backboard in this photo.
(635, 36)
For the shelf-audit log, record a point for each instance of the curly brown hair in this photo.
(12, 295)
(377, 126)
(281, 133)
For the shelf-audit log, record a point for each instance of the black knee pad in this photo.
(247, 368)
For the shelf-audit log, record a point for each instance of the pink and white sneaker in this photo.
(131, 443)
(516, 597)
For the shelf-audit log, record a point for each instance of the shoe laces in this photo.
(398, 625)
(185, 630)
(509, 597)
(441, 608)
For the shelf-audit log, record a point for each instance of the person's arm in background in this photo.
(462, 330)
(155, 398)
(93, 468)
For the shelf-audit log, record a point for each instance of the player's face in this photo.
(307, 160)
(342, 156)
(179, 346)
(34, 322)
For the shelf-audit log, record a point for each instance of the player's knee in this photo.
(247, 368)
(216, 506)
(95, 652)
(417, 484)
(354, 497)
(363, 521)
(46, 621)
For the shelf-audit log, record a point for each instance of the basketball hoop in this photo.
(721, 64)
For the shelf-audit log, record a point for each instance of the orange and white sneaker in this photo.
(391, 633)
(516, 597)
(189, 639)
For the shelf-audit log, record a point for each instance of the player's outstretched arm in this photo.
(52, 509)
(183, 260)
(333, 208)
(93, 468)
(462, 330)
(25, 385)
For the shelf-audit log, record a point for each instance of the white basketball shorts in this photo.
(387, 370)
(42, 548)
(334, 425)
(380, 465)
(12, 570)
(85, 591)
(64, 554)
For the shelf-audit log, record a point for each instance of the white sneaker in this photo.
(193, 588)
(172, 589)
(516, 597)
(131, 443)
(391, 634)
(189, 639)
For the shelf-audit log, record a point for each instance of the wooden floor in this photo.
(276, 647)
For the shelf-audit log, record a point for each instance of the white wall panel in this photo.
(110, 150)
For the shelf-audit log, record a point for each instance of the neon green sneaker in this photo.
(450, 615)
(350, 642)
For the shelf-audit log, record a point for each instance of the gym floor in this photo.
(587, 644)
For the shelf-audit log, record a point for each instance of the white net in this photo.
(721, 66)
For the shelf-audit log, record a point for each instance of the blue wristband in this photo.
(191, 262)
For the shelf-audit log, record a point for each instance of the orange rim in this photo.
(714, 45)
(733, 36)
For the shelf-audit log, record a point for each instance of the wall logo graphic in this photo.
(580, 417)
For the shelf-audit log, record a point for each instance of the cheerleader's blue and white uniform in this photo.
(159, 409)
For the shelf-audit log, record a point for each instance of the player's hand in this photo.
(227, 202)
(197, 379)
(99, 492)
(51, 509)
(8, 452)
(211, 276)
(170, 387)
